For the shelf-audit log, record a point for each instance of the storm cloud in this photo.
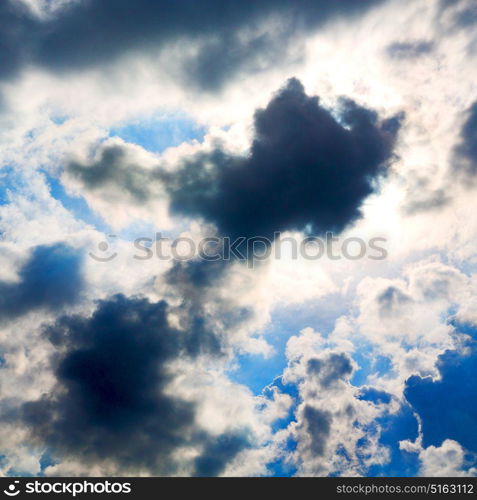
(110, 402)
(90, 33)
(305, 169)
(308, 169)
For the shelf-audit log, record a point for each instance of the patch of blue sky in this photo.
(15, 471)
(159, 132)
(369, 364)
(280, 467)
(256, 371)
(79, 208)
(465, 328)
(9, 182)
(375, 396)
(395, 428)
(59, 119)
(76, 205)
(46, 460)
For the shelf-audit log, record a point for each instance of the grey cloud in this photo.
(110, 402)
(409, 49)
(306, 169)
(328, 371)
(318, 425)
(391, 299)
(91, 33)
(114, 170)
(466, 151)
(219, 453)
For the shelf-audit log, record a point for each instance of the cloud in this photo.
(464, 12)
(90, 33)
(448, 460)
(318, 426)
(111, 403)
(50, 279)
(334, 426)
(119, 184)
(466, 151)
(113, 163)
(409, 49)
(337, 366)
(218, 453)
(309, 169)
(18, 28)
(408, 320)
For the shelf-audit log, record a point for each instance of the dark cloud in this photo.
(325, 374)
(19, 29)
(114, 169)
(466, 151)
(193, 282)
(391, 299)
(201, 310)
(306, 169)
(464, 12)
(448, 407)
(410, 49)
(88, 33)
(318, 425)
(50, 279)
(110, 401)
(328, 371)
(218, 453)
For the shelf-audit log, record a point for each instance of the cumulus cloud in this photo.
(408, 321)
(334, 424)
(447, 460)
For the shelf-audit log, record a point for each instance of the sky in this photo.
(322, 154)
